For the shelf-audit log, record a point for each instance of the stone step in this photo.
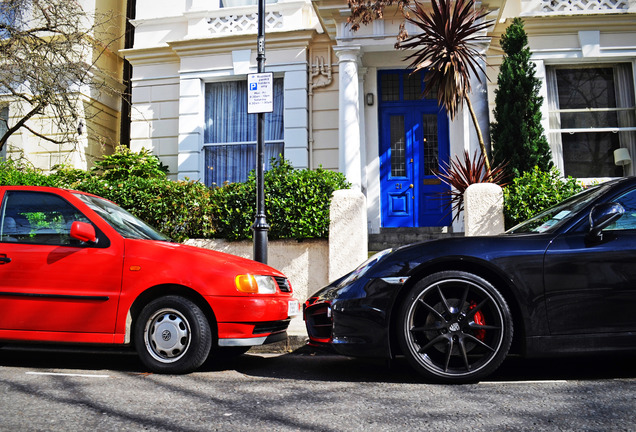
(396, 237)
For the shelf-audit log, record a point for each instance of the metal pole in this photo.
(260, 226)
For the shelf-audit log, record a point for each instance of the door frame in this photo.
(413, 110)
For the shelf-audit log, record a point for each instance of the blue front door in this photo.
(413, 145)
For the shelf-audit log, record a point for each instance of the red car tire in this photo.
(172, 335)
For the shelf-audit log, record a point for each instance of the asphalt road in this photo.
(45, 390)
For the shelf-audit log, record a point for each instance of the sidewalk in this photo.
(295, 340)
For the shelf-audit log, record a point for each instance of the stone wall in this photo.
(483, 209)
(312, 264)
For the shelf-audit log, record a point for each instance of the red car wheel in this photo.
(172, 335)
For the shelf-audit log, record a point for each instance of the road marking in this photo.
(68, 374)
(526, 382)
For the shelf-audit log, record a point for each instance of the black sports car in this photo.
(563, 282)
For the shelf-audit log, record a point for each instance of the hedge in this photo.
(297, 200)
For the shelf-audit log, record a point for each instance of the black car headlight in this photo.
(364, 267)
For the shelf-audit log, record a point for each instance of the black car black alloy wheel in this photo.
(455, 327)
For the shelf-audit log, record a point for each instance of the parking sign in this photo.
(260, 93)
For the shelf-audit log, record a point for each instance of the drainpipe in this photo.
(323, 70)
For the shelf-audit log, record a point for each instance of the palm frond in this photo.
(461, 174)
(446, 48)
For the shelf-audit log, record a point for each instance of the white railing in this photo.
(569, 7)
(279, 16)
(244, 23)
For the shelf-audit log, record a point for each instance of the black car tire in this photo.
(455, 327)
(172, 335)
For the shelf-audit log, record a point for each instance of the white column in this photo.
(191, 119)
(349, 115)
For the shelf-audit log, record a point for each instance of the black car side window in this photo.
(37, 218)
(628, 220)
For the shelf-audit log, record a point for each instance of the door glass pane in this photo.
(39, 218)
(398, 146)
(413, 86)
(432, 92)
(628, 220)
(390, 87)
(431, 151)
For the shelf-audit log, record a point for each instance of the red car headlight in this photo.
(252, 284)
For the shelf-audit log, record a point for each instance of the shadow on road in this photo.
(70, 357)
(316, 365)
(311, 364)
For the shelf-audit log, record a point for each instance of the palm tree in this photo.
(446, 50)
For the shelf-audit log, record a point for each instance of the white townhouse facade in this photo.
(585, 57)
(344, 101)
(100, 127)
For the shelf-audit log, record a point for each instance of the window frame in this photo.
(278, 78)
(555, 134)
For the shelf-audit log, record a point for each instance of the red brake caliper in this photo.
(479, 319)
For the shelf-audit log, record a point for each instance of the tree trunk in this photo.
(482, 146)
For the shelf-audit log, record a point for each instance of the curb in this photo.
(291, 344)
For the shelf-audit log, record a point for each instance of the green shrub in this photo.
(534, 192)
(21, 173)
(69, 178)
(296, 203)
(179, 209)
(124, 164)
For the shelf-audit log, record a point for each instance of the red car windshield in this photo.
(123, 222)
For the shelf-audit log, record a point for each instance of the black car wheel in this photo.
(172, 335)
(455, 327)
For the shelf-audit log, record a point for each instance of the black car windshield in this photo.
(123, 222)
(554, 217)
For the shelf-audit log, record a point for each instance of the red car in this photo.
(76, 268)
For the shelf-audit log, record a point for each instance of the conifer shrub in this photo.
(517, 135)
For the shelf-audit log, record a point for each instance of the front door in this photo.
(47, 283)
(596, 280)
(413, 144)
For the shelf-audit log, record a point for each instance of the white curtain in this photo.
(624, 87)
(554, 118)
(230, 133)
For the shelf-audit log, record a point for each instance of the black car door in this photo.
(590, 286)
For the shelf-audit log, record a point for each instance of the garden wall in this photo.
(312, 264)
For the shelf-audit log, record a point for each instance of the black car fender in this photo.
(520, 299)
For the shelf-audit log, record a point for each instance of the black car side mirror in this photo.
(603, 215)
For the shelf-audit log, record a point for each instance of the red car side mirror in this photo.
(83, 231)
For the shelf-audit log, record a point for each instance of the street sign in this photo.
(260, 93)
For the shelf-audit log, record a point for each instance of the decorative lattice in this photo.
(584, 6)
(245, 23)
